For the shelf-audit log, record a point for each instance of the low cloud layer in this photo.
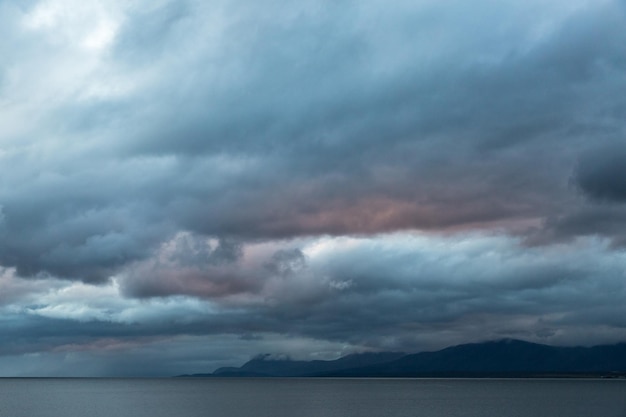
(194, 163)
(400, 292)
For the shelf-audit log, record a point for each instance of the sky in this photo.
(187, 184)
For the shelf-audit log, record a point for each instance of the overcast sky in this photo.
(186, 184)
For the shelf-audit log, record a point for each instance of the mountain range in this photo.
(502, 358)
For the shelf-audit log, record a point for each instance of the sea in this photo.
(295, 397)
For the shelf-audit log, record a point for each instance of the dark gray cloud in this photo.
(601, 174)
(600, 211)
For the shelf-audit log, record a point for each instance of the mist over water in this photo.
(311, 397)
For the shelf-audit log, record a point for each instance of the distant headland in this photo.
(503, 358)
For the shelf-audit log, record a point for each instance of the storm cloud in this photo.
(600, 174)
(352, 174)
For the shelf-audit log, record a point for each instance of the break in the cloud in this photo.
(353, 175)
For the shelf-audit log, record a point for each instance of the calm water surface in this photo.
(311, 397)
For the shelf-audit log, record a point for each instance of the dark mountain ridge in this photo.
(508, 357)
